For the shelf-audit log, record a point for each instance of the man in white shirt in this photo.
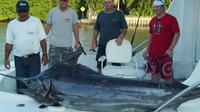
(62, 21)
(25, 35)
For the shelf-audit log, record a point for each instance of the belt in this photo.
(65, 48)
(30, 55)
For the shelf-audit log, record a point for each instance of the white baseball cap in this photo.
(158, 2)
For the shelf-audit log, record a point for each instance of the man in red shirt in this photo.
(164, 34)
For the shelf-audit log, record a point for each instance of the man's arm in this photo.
(119, 39)
(175, 40)
(94, 39)
(173, 44)
(47, 28)
(44, 51)
(124, 31)
(76, 35)
(8, 49)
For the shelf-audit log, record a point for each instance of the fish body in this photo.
(79, 87)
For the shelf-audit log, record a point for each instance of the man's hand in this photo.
(44, 59)
(145, 55)
(169, 52)
(76, 46)
(7, 64)
(94, 39)
(8, 49)
(94, 45)
(119, 40)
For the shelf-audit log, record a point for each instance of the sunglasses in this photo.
(21, 11)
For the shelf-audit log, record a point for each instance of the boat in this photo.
(186, 57)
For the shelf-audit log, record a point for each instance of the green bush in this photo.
(40, 8)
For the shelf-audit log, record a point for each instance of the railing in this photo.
(139, 45)
(132, 21)
(177, 96)
(143, 22)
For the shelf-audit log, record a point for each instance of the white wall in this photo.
(187, 51)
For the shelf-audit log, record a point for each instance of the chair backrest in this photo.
(118, 54)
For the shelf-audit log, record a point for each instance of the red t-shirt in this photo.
(162, 31)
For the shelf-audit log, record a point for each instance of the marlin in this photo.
(78, 87)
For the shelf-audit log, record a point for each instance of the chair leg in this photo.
(101, 66)
(99, 70)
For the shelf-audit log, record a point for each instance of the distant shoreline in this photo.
(131, 21)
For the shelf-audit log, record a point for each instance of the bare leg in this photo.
(155, 78)
(168, 81)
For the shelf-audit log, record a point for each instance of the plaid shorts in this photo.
(158, 64)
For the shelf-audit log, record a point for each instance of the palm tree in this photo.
(117, 2)
(54, 3)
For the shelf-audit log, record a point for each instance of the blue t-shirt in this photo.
(109, 25)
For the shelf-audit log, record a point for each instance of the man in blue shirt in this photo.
(110, 24)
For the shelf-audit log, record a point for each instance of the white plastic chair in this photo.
(118, 54)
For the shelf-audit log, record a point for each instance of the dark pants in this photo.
(26, 67)
(101, 52)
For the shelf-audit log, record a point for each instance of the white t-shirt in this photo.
(25, 36)
(62, 26)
